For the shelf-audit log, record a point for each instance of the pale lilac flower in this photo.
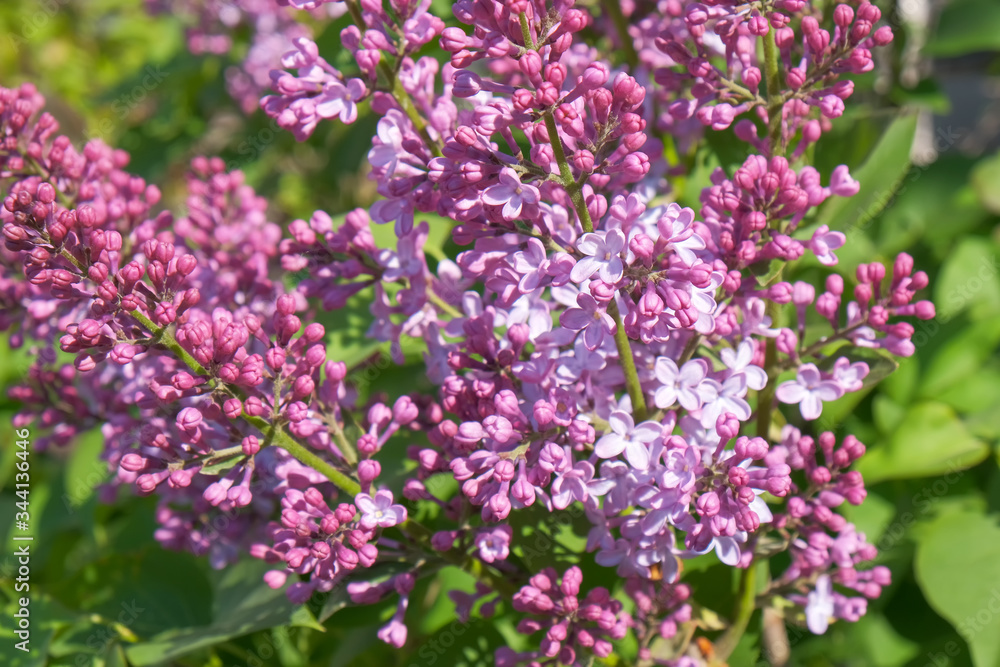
(809, 390)
(340, 99)
(603, 251)
(725, 397)
(824, 242)
(679, 385)
(819, 608)
(678, 234)
(393, 633)
(494, 544)
(626, 437)
(590, 318)
(850, 376)
(531, 263)
(739, 362)
(386, 154)
(841, 182)
(577, 483)
(511, 194)
(379, 511)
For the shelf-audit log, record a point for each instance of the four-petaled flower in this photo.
(819, 605)
(379, 511)
(679, 385)
(602, 250)
(340, 99)
(386, 154)
(809, 390)
(511, 193)
(494, 544)
(626, 437)
(824, 242)
(591, 318)
(740, 362)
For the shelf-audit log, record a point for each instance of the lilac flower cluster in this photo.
(596, 346)
(210, 26)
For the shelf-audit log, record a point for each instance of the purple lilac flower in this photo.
(809, 390)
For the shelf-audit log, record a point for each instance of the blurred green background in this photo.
(922, 135)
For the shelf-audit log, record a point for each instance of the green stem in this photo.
(566, 173)
(621, 338)
(403, 98)
(398, 92)
(628, 364)
(446, 307)
(614, 10)
(745, 605)
(529, 42)
(772, 80)
(278, 436)
(689, 349)
(765, 397)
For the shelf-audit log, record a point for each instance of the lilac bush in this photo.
(597, 348)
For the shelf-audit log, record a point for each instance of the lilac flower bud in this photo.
(803, 293)
(751, 448)
(250, 445)
(329, 524)
(133, 462)
(404, 411)
(302, 387)
(368, 471)
(883, 36)
(379, 416)
(787, 342)
(346, 558)
(708, 504)
(240, 496)
(443, 540)
(253, 407)
(189, 419)
(523, 491)
(367, 555)
(217, 492)
(275, 578)
(727, 426)
(499, 428)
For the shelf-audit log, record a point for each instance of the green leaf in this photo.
(958, 569)
(132, 589)
(969, 280)
(767, 273)
(881, 179)
(960, 356)
(977, 393)
(85, 469)
(881, 645)
(241, 604)
(927, 94)
(930, 440)
(985, 177)
(887, 413)
(966, 26)
(221, 465)
(460, 644)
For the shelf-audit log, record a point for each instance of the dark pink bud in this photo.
(883, 36)
(133, 462)
(286, 304)
(368, 471)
